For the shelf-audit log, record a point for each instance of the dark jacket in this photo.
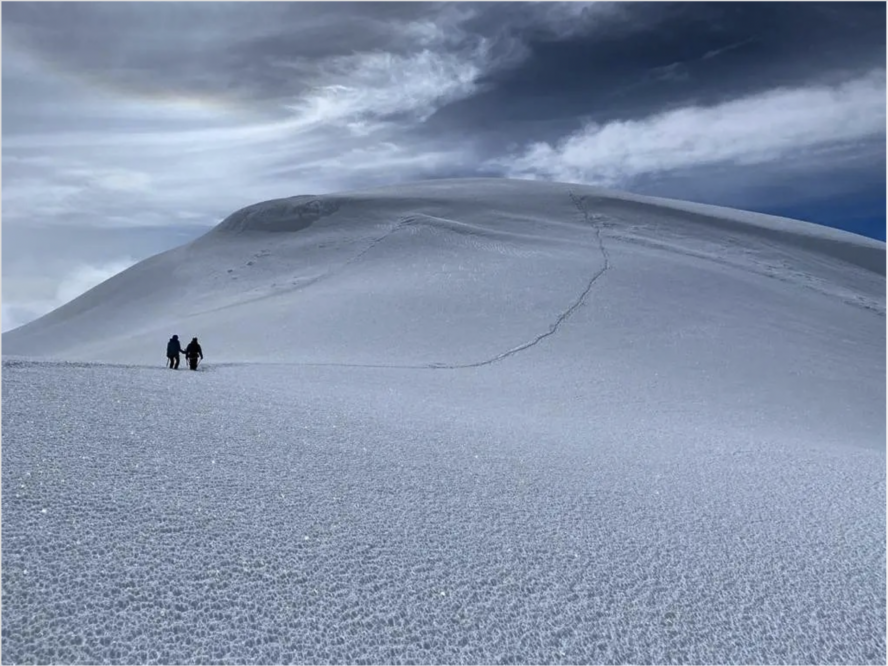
(193, 349)
(174, 348)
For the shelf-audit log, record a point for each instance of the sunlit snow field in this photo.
(457, 422)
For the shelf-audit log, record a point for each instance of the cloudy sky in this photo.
(130, 128)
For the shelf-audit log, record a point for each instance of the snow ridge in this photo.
(316, 266)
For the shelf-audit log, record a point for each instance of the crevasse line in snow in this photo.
(553, 328)
(578, 202)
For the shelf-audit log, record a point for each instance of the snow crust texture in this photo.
(280, 516)
(457, 422)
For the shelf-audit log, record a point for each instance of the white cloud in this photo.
(33, 199)
(752, 130)
(371, 86)
(445, 28)
(361, 101)
(569, 19)
(351, 129)
(84, 278)
(16, 313)
(124, 180)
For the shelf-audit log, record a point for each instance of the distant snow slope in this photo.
(442, 272)
(457, 422)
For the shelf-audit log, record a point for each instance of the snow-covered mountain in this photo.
(453, 273)
(481, 421)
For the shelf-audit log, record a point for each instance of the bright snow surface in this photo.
(457, 421)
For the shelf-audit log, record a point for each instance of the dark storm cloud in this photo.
(251, 52)
(256, 52)
(654, 56)
(130, 116)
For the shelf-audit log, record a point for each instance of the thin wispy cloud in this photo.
(753, 130)
(368, 88)
(714, 53)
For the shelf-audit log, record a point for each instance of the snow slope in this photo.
(449, 272)
(457, 422)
